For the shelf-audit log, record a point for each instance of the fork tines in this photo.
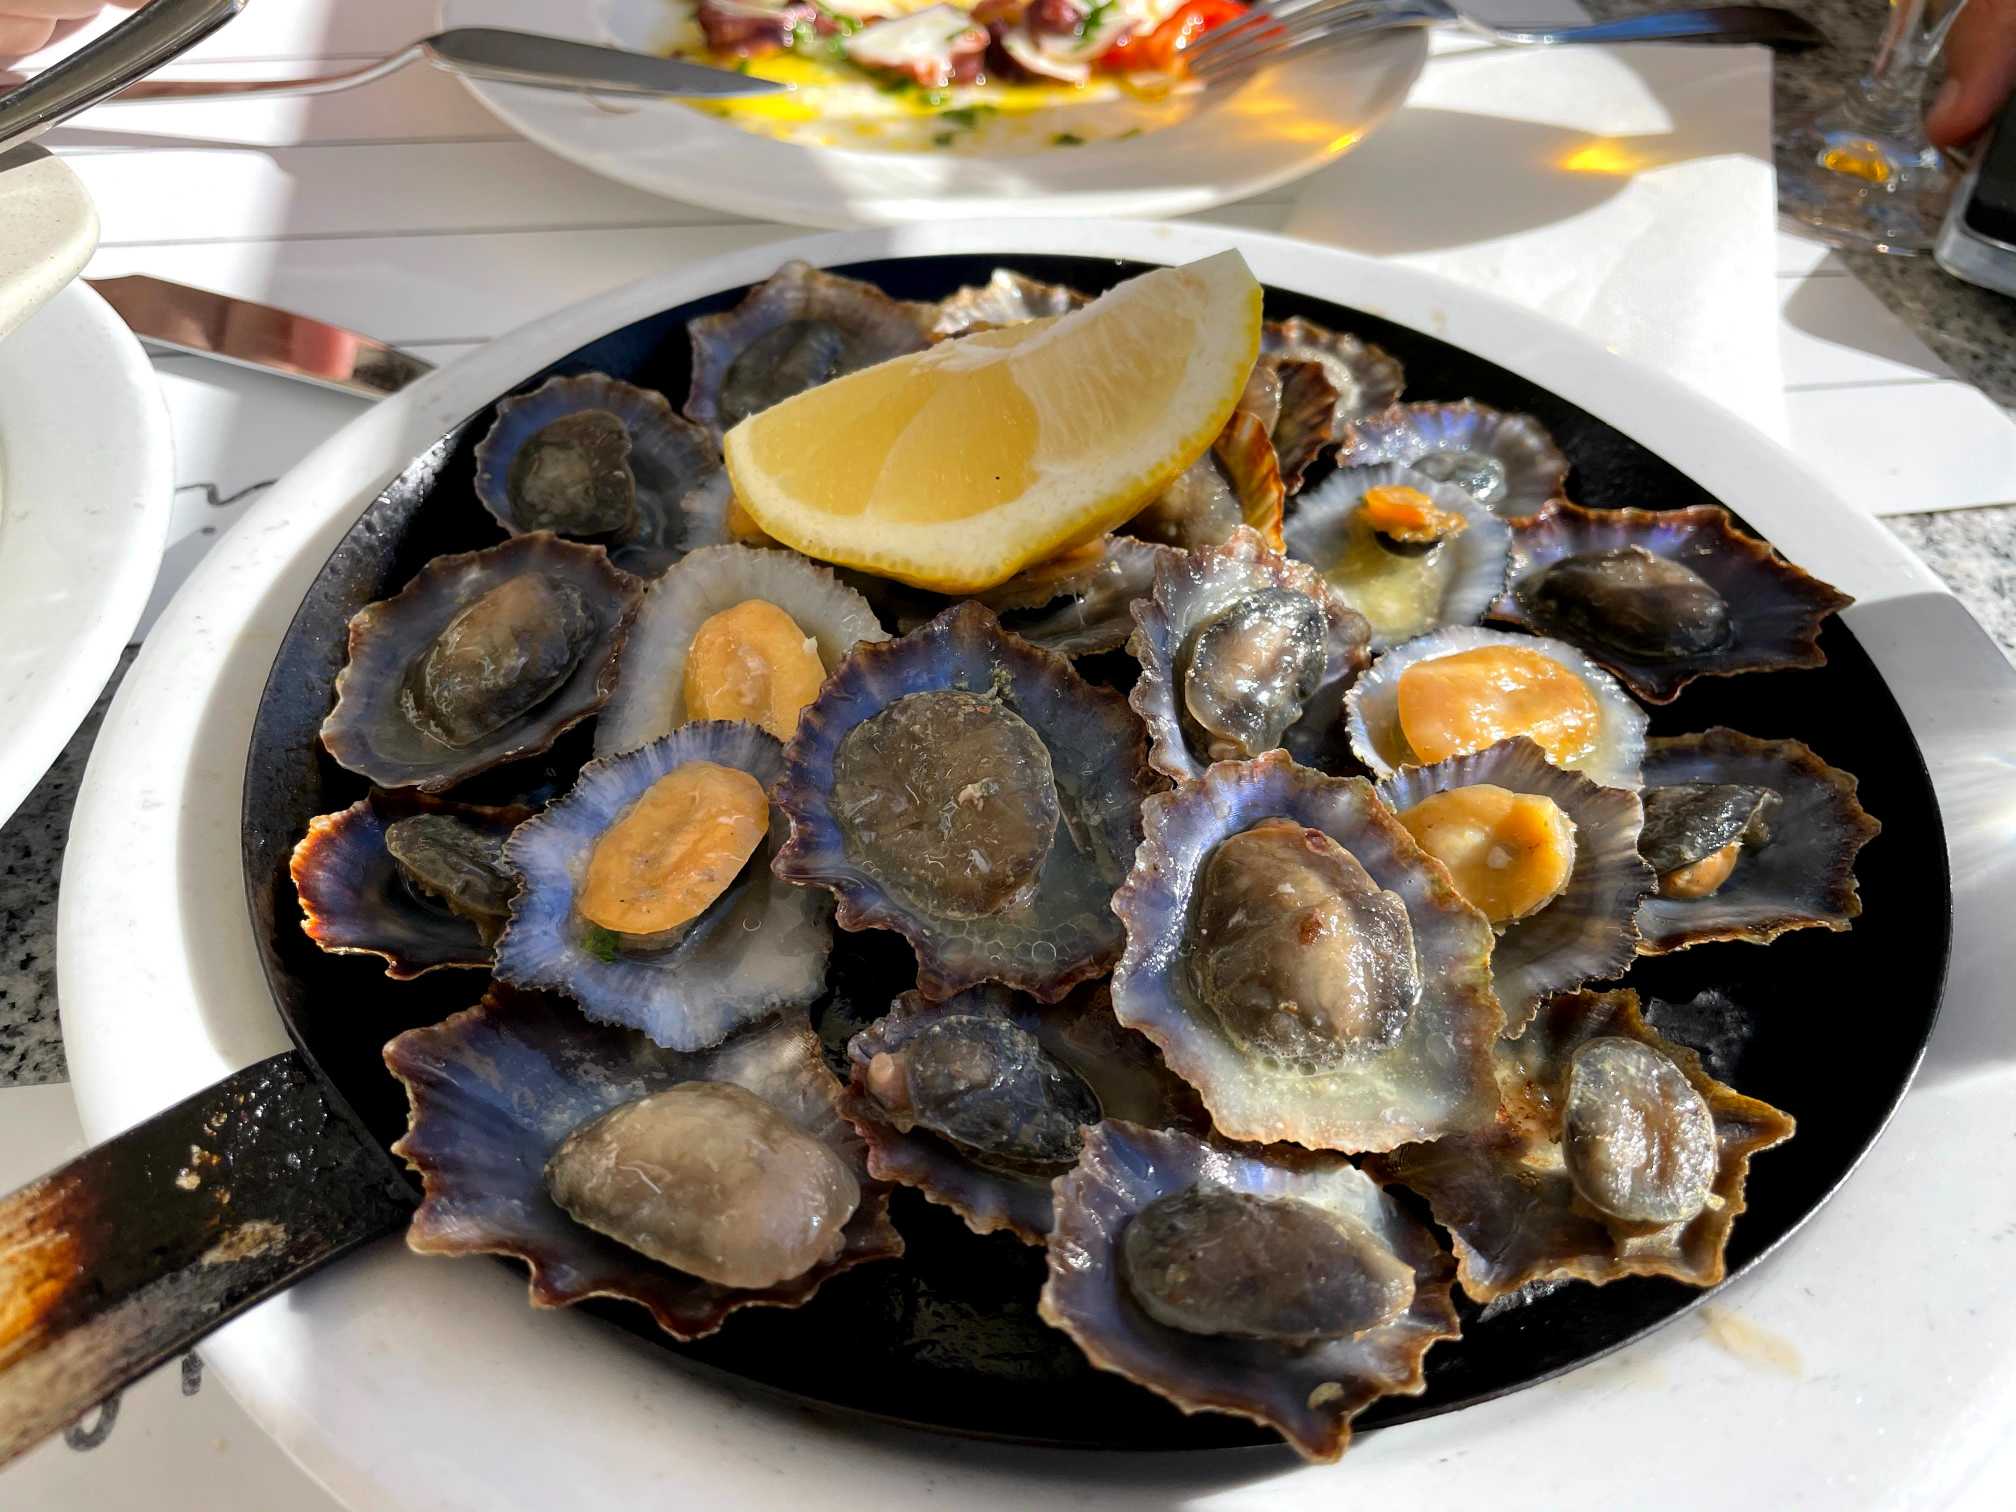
(1274, 28)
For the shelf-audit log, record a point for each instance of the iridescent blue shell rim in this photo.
(965, 648)
(1541, 954)
(1458, 1018)
(355, 901)
(492, 1092)
(1310, 1394)
(1819, 808)
(387, 637)
(541, 948)
(1775, 608)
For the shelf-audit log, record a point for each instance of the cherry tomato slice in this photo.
(1159, 50)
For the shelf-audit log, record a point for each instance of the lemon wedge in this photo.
(953, 468)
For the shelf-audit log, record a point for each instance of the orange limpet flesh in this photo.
(753, 662)
(742, 527)
(1508, 853)
(1700, 879)
(1408, 514)
(675, 850)
(1453, 705)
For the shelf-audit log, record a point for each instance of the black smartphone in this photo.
(1978, 240)
(1990, 210)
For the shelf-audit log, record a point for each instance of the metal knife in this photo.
(509, 57)
(183, 319)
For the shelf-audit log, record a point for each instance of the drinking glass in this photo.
(1862, 173)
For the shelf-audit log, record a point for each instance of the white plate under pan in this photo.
(1870, 1362)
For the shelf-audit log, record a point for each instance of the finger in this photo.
(50, 10)
(21, 35)
(1980, 70)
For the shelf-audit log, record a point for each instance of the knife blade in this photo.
(516, 57)
(258, 336)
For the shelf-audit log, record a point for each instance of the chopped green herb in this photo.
(932, 98)
(944, 138)
(966, 116)
(600, 943)
(1130, 133)
(1067, 139)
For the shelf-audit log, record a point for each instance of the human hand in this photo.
(27, 25)
(1980, 70)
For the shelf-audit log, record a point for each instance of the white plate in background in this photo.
(405, 1383)
(86, 478)
(1292, 121)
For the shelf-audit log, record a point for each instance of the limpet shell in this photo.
(1193, 588)
(649, 697)
(1588, 932)
(369, 730)
(1239, 473)
(1308, 1394)
(1367, 378)
(1435, 1078)
(669, 457)
(1803, 878)
(1775, 609)
(1372, 705)
(1505, 1195)
(1123, 1070)
(1007, 298)
(1083, 602)
(1527, 469)
(872, 328)
(496, 1088)
(709, 517)
(1064, 933)
(1467, 570)
(761, 945)
(355, 900)
(1306, 422)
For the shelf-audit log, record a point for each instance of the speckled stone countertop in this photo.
(1973, 329)
(31, 860)
(1973, 550)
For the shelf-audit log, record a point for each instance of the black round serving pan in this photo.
(1829, 1027)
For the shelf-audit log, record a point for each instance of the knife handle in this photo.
(138, 45)
(142, 1245)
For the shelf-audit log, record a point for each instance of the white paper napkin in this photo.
(1626, 191)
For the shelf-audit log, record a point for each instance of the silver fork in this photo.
(1275, 29)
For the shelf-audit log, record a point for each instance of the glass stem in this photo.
(1895, 52)
(1889, 98)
